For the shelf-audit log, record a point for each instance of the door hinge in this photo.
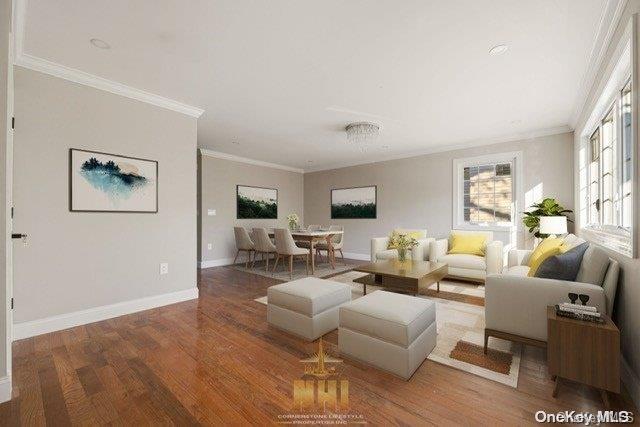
(11, 303)
(13, 123)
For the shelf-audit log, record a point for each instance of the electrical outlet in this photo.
(211, 212)
(164, 268)
(209, 246)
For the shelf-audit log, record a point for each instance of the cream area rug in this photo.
(323, 269)
(460, 331)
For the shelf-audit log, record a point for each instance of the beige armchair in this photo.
(286, 247)
(469, 267)
(380, 251)
(243, 244)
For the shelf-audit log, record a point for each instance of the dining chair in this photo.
(243, 243)
(305, 243)
(263, 246)
(337, 241)
(286, 247)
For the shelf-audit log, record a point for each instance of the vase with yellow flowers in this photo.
(403, 243)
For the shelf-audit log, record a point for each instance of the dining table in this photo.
(313, 237)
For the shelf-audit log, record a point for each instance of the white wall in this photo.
(626, 313)
(77, 261)
(217, 180)
(416, 192)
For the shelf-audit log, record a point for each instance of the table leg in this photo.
(313, 258)
(438, 286)
(605, 398)
(330, 252)
(556, 387)
(364, 287)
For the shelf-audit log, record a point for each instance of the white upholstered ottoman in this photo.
(306, 307)
(393, 332)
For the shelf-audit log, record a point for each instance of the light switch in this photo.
(209, 246)
(211, 212)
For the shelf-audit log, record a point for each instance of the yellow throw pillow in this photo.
(547, 248)
(395, 233)
(471, 244)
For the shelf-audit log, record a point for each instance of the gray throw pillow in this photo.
(564, 266)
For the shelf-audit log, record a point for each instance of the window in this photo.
(487, 193)
(484, 191)
(608, 172)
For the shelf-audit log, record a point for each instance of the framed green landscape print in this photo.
(256, 202)
(354, 203)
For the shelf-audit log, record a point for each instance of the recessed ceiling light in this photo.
(309, 161)
(235, 142)
(498, 49)
(100, 44)
(385, 146)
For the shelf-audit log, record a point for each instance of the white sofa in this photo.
(516, 305)
(379, 246)
(469, 267)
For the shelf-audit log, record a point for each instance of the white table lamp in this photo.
(553, 225)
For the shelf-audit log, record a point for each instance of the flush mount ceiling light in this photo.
(100, 44)
(498, 50)
(362, 133)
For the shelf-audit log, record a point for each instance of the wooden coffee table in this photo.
(406, 277)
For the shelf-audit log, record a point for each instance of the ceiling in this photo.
(280, 79)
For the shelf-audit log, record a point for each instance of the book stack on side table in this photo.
(580, 312)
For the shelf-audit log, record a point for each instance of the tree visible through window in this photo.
(488, 193)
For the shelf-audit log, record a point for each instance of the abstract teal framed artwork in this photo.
(103, 182)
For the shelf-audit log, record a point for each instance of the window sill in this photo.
(488, 227)
(619, 241)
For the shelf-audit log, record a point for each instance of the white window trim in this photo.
(608, 236)
(458, 190)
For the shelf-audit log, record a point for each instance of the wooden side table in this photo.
(585, 352)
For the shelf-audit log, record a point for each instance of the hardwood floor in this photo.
(214, 360)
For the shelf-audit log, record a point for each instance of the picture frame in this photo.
(112, 183)
(256, 202)
(354, 202)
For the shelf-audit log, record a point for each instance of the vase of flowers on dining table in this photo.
(292, 220)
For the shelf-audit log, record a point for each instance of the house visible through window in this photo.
(487, 193)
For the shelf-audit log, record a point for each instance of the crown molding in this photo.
(609, 20)
(444, 148)
(226, 156)
(31, 62)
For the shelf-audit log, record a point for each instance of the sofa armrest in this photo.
(493, 257)
(378, 244)
(518, 304)
(518, 257)
(438, 248)
(421, 251)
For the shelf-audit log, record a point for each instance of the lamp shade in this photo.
(553, 225)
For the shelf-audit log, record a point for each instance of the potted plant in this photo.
(547, 207)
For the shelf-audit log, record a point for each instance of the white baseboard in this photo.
(217, 262)
(64, 321)
(354, 255)
(631, 382)
(5, 389)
